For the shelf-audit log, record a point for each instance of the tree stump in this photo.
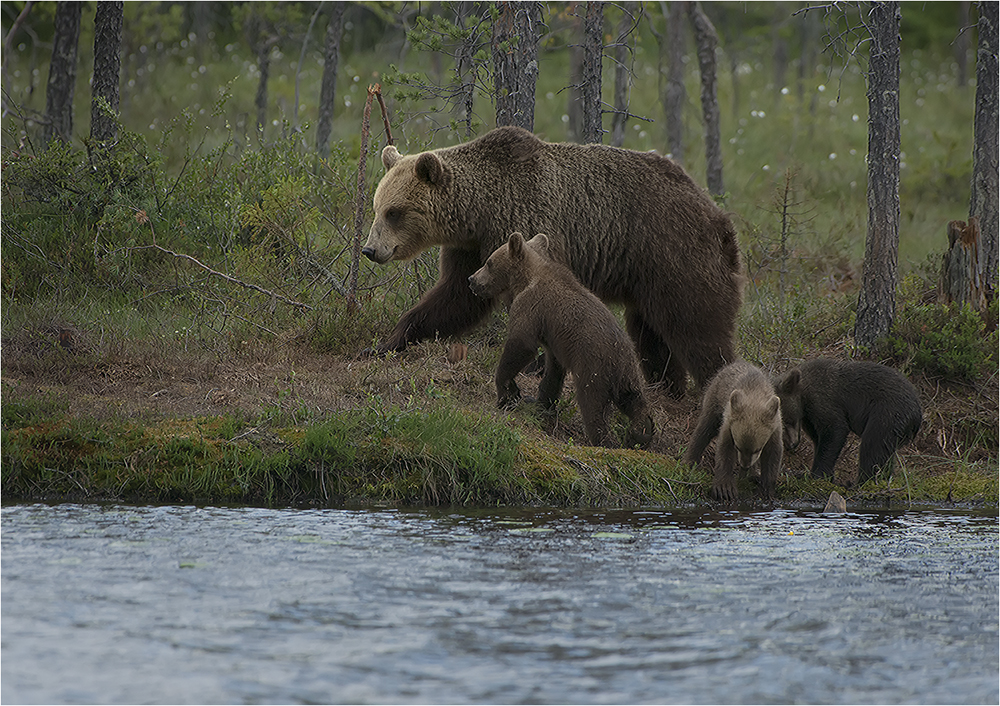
(960, 272)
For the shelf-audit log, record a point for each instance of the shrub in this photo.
(946, 341)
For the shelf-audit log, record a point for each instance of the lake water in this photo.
(123, 604)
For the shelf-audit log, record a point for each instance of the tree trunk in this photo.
(962, 43)
(62, 73)
(877, 300)
(260, 101)
(515, 62)
(985, 192)
(707, 40)
(593, 48)
(107, 69)
(465, 68)
(676, 91)
(623, 74)
(328, 89)
(961, 281)
(575, 93)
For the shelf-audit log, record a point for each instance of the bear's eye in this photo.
(394, 215)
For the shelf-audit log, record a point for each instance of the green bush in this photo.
(946, 341)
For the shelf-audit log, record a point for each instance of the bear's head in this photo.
(405, 224)
(789, 391)
(508, 270)
(752, 418)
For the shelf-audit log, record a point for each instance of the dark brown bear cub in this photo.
(549, 307)
(743, 414)
(829, 398)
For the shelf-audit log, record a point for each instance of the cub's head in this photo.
(405, 223)
(508, 270)
(789, 389)
(752, 420)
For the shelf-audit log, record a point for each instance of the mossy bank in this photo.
(418, 432)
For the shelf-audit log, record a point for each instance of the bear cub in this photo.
(549, 307)
(741, 411)
(830, 398)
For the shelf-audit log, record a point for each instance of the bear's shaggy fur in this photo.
(742, 413)
(829, 398)
(632, 226)
(549, 307)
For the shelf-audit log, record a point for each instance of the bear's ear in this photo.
(790, 382)
(773, 406)
(540, 243)
(736, 400)
(430, 169)
(515, 245)
(390, 155)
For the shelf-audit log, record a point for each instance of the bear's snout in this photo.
(475, 286)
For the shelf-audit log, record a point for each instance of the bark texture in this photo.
(877, 300)
(985, 192)
(62, 73)
(107, 69)
(593, 47)
(515, 62)
(328, 88)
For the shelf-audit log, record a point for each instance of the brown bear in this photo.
(632, 226)
(829, 398)
(550, 308)
(742, 413)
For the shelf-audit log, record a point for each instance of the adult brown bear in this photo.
(632, 226)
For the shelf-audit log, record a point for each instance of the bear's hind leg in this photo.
(657, 361)
(878, 447)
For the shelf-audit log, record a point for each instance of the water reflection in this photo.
(185, 604)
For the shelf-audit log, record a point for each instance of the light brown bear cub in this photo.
(549, 307)
(742, 413)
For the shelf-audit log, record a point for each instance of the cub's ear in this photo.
(789, 383)
(515, 245)
(430, 169)
(736, 400)
(390, 155)
(774, 406)
(540, 243)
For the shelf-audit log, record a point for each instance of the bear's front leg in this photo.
(515, 356)
(724, 482)
(770, 465)
(448, 308)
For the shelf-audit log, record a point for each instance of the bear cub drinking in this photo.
(830, 398)
(549, 307)
(742, 413)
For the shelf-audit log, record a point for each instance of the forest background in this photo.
(186, 294)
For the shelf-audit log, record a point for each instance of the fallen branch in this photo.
(223, 275)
